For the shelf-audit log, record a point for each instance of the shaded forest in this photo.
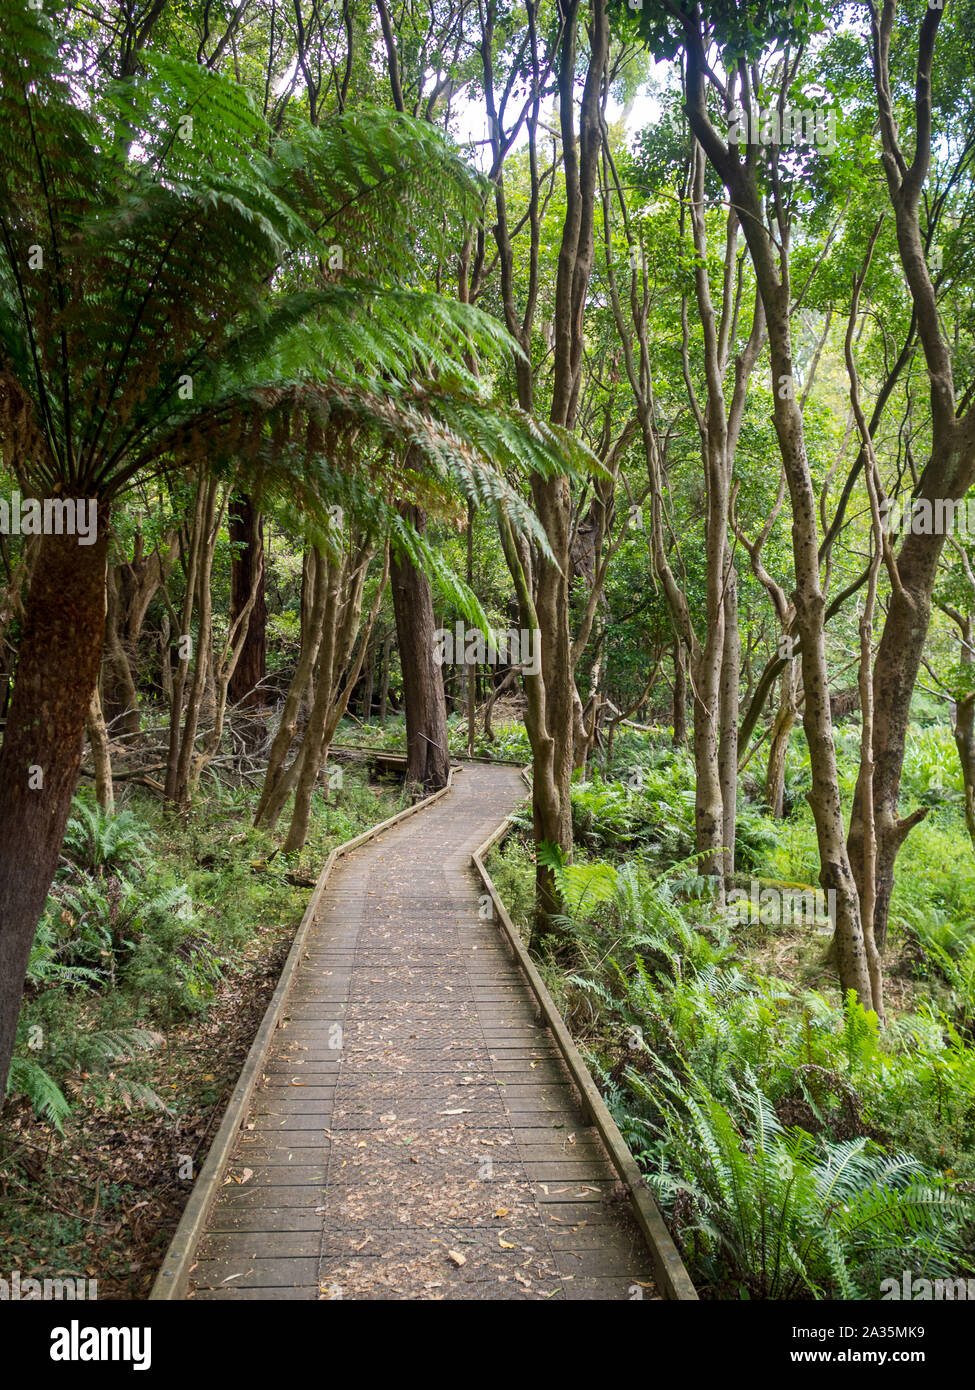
(583, 385)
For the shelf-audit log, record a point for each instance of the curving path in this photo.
(415, 1135)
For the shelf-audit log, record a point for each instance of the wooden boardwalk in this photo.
(415, 1134)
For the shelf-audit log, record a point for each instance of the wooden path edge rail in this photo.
(673, 1279)
(172, 1280)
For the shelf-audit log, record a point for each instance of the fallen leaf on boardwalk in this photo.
(456, 1258)
(296, 1082)
(505, 1244)
(413, 1158)
(501, 1211)
(243, 1275)
(522, 1280)
(453, 1112)
(246, 1175)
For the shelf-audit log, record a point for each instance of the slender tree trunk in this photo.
(165, 664)
(507, 682)
(303, 773)
(223, 669)
(470, 670)
(428, 759)
(247, 566)
(98, 742)
(316, 655)
(785, 718)
(946, 477)
(680, 696)
(132, 585)
(316, 571)
(202, 686)
(121, 696)
(895, 673)
(964, 731)
(368, 683)
(57, 672)
(384, 678)
(728, 730)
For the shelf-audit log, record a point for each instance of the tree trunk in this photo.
(368, 683)
(680, 696)
(98, 742)
(895, 674)
(728, 723)
(552, 810)
(207, 519)
(57, 671)
(247, 535)
(428, 759)
(470, 670)
(121, 696)
(947, 476)
(964, 731)
(785, 718)
(507, 682)
(222, 667)
(384, 678)
(132, 585)
(165, 663)
(314, 606)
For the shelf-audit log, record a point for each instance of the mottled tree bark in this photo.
(57, 671)
(770, 260)
(948, 473)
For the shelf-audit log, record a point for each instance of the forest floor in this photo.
(101, 1196)
(165, 935)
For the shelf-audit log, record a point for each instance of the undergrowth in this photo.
(797, 1149)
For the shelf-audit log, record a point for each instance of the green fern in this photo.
(29, 1079)
(99, 843)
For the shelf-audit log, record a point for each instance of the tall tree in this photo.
(136, 335)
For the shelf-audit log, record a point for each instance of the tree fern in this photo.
(164, 211)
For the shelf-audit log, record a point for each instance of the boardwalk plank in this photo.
(415, 1134)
